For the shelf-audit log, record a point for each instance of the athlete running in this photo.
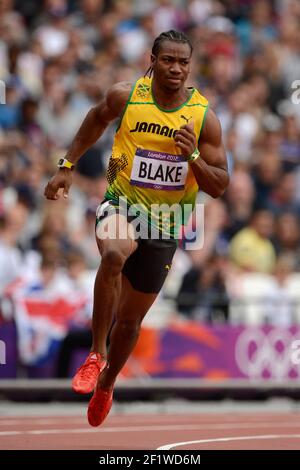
(167, 145)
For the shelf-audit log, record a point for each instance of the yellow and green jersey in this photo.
(146, 166)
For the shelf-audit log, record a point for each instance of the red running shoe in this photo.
(86, 377)
(99, 406)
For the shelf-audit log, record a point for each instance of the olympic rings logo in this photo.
(268, 355)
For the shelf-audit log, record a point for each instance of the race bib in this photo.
(158, 170)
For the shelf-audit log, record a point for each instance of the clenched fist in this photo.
(186, 140)
(62, 179)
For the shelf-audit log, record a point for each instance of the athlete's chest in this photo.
(147, 127)
(156, 163)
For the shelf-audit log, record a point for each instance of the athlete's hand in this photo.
(62, 179)
(186, 140)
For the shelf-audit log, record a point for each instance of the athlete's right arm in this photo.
(92, 127)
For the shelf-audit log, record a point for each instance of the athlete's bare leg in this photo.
(106, 298)
(114, 253)
(133, 307)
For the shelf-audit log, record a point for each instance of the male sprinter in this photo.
(167, 145)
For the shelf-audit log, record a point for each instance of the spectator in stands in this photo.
(290, 146)
(251, 248)
(266, 175)
(239, 199)
(283, 197)
(10, 255)
(202, 295)
(287, 236)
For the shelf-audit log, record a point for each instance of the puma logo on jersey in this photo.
(186, 119)
(154, 128)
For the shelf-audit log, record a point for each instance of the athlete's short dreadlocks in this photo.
(171, 35)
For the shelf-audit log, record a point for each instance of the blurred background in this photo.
(228, 311)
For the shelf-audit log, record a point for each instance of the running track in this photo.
(199, 431)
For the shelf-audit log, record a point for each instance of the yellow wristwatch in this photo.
(196, 154)
(65, 163)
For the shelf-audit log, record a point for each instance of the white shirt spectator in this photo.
(11, 263)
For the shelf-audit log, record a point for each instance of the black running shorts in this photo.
(148, 266)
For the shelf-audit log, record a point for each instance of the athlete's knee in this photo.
(113, 261)
(131, 327)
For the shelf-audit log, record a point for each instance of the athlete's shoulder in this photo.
(211, 131)
(141, 92)
(120, 88)
(117, 96)
(119, 91)
(198, 98)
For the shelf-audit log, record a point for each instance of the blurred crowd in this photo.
(57, 58)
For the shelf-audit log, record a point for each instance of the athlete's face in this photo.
(172, 65)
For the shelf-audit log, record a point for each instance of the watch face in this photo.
(60, 161)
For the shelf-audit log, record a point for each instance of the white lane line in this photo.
(230, 439)
(24, 420)
(173, 428)
(112, 429)
(39, 422)
(179, 426)
(10, 433)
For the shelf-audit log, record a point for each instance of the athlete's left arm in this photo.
(210, 169)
